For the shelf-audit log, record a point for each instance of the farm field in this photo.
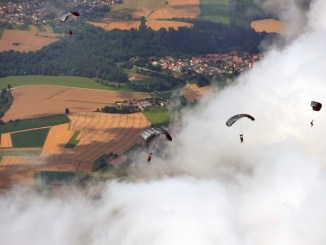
(268, 25)
(133, 5)
(158, 117)
(5, 140)
(70, 81)
(192, 92)
(214, 11)
(122, 25)
(25, 41)
(40, 122)
(158, 14)
(100, 133)
(43, 100)
(30, 138)
(178, 9)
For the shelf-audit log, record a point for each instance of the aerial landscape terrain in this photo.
(162, 122)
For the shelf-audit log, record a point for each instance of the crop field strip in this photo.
(5, 140)
(58, 136)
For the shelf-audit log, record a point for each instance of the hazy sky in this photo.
(211, 189)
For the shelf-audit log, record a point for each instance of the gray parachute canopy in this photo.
(150, 134)
(65, 17)
(235, 118)
(316, 106)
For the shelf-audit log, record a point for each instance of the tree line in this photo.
(95, 53)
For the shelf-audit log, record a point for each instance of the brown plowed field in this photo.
(5, 140)
(43, 100)
(192, 92)
(27, 40)
(158, 24)
(268, 25)
(11, 178)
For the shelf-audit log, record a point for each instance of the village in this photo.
(210, 64)
(39, 12)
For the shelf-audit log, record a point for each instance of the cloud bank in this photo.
(209, 188)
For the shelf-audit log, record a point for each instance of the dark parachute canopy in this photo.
(235, 118)
(150, 134)
(316, 106)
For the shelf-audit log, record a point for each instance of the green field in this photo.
(73, 140)
(133, 5)
(69, 81)
(35, 152)
(30, 138)
(150, 81)
(34, 123)
(158, 116)
(53, 177)
(214, 11)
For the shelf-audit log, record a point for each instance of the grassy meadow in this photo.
(34, 123)
(158, 116)
(30, 138)
(214, 11)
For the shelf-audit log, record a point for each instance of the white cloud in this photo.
(211, 189)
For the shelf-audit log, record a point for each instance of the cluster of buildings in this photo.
(33, 12)
(210, 64)
(143, 104)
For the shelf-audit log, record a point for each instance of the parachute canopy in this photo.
(316, 106)
(75, 13)
(151, 133)
(235, 118)
(65, 17)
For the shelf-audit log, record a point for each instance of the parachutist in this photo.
(312, 123)
(241, 138)
(149, 158)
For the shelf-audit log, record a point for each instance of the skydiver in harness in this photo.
(312, 123)
(241, 138)
(149, 158)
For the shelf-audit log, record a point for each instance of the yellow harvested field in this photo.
(158, 24)
(57, 137)
(178, 9)
(5, 140)
(268, 25)
(123, 25)
(192, 92)
(140, 12)
(42, 100)
(24, 41)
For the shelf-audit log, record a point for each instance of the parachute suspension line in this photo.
(241, 127)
